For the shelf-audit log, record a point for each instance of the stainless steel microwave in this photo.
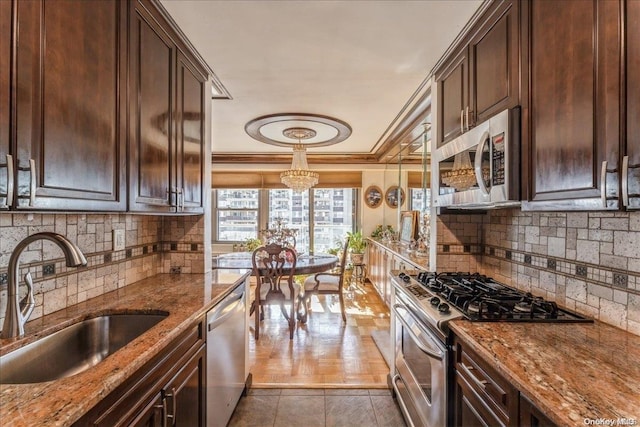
(480, 168)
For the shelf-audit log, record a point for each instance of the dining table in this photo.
(305, 263)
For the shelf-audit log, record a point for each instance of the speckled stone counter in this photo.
(414, 261)
(186, 297)
(572, 372)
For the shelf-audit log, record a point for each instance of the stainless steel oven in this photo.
(421, 356)
(420, 366)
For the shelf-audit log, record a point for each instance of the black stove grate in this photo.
(480, 298)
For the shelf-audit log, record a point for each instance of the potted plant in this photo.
(251, 244)
(357, 245)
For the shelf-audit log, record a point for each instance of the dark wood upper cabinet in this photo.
(70, 98)
(453, 97)
(6, 163)
(574, 70)
(631, 161)
(481, 78)
(167, 122)
(190, 135)
(494, 58)
(152, 79)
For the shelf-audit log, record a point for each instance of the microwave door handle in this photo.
(478, 162)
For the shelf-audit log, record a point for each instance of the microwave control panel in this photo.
(498, 159)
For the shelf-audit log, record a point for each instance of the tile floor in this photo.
(317, 407)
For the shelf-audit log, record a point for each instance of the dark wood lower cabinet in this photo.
(530, 416)
(168, 391)
(483, 397)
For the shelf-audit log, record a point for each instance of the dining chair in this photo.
(325, 283)
(274, 269)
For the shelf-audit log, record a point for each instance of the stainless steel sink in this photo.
(73, 349)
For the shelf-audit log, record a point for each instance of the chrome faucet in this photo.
(18, 312)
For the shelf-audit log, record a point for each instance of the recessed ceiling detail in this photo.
(275, 129)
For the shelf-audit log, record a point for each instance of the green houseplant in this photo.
(251, 244)
(357, 245)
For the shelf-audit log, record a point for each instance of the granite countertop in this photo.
(572, 372)
(420, 262)
(186, 297)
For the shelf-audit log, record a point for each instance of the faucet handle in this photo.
(28, 303)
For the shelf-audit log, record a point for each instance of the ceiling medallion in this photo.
(299, 133)
(271, 129)
(299, 178)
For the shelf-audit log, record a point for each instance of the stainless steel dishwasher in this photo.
(227, 339)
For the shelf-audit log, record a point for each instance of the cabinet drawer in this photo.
(497, 394)
(473, 410)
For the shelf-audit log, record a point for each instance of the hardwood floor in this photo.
(324, 352)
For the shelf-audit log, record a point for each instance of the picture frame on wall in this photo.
(394, 196)
(373, 196)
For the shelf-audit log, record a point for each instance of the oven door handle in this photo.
(404, 408)
(421, 342)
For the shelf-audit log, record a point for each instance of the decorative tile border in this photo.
(95, 260)
(593, 273)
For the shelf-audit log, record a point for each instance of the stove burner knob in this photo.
(443, 308)
(435, 301)
(406, 278)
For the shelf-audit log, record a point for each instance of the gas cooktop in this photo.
(480, 298)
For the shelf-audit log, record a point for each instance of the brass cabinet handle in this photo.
(466, 114)
(9, 201)
(480, 383)
(173, 414)
(32, 183)
(603, 184)
(461, 121)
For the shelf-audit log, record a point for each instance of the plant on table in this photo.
(252, 243)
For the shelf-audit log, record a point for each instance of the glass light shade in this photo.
(299, 178)
(462, 176)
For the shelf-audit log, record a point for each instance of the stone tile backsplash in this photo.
(153, 244)
(588, 262)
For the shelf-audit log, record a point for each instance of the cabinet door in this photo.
(152, 415)
(190, 136)
(530, 416)
(632, 40)
(574, 103)
(69, 103)
(152, 76)
(453, 97)
(493, 54)
(5, 101)
(185, 393)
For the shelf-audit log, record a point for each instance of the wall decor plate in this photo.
(373, 196)
(394, 196)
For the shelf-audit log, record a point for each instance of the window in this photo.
(322, 217)
(237, 214)
(332, 210)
